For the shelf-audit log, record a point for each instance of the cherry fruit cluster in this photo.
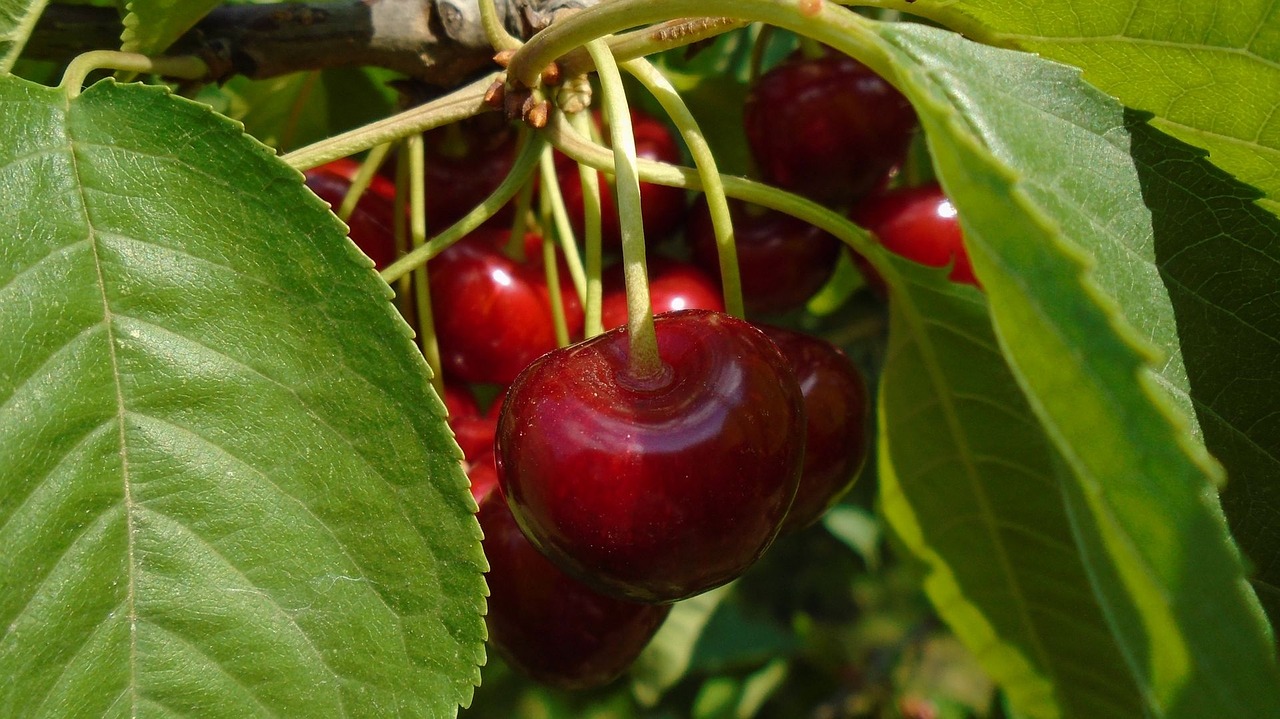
(609, 488)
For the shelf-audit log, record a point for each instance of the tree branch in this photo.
(440, 42)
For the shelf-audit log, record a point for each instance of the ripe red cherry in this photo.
(828, 128)
(655, 489)
(545, 623)
(372, 222)
(492, 315)
(472, 429)
(920, 224)
(836, 409)
(661, 207)
(782, 261)
(672, 286)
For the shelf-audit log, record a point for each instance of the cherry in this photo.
(656, 488)
(493, 315)
(920, 224)
(782, 261)
(545, 623)
(472, 429)
(672, 286)
(836, 409)
(828, 128)
(372, 222)
(661, 207)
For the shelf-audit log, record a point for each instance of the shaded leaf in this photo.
(226, 483)
(1160, 559)
(969, 483)
(17, 20)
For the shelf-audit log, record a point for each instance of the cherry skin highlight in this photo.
(920, 224)
(782, 261)
(672, 286)
(659, 488)
(372, 222)
(548, 625)
(828, 128)
(493, 315)
(836, 410)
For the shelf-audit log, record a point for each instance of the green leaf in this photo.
(294, 110)
(227, 486)
(669, 653)
(151, 26)
(1209, 70)
(17, 20)
(1040, 168)
(970, 484)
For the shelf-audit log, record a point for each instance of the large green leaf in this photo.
(226, 484)
(17, 20)
(1161, 562)
(1209, 70)
(970, 484)
(151, 26)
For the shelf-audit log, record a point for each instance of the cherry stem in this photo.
(831, 25)
(521, 171)
(401, 219)
(421, 285)
(360, 182)
(757, 53)
(560, 216)
(661, 88)
(643, 340)
(460, 104)
(520, 222)
(552, 271)
(588, 153)
(498, 36)
(589, 177)
(647, 41)
(184, 67)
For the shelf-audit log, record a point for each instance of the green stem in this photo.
(185, 67)
(661, 88)
(582, 150)
(564, 229)
(552, 270)
(831, 25)
(520, 222)
(460, 104)
(401, 221)
(421, 284)
(526, 162)
(647, 41)
(590, 179)
(498, 36)
(644, 362)
(361, 181)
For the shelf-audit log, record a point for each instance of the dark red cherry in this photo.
(483, 474)
(372, 222)
(465, 162)
(655, 489)
(836, 409)
(662, 207)
(493, 315)
(782, 261)
(547, 624)
(672, 286)
(920, 224)
(828, 128)
(472, 429)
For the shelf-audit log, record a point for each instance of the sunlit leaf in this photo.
(227, 488)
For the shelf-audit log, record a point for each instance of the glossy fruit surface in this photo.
(672, 286)
(836, 422)
(493, 315)
(662, 489)
(920, 224)
(372, 222)
(662, 207)
(828, 128)
(782, 261)
(472, 429)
